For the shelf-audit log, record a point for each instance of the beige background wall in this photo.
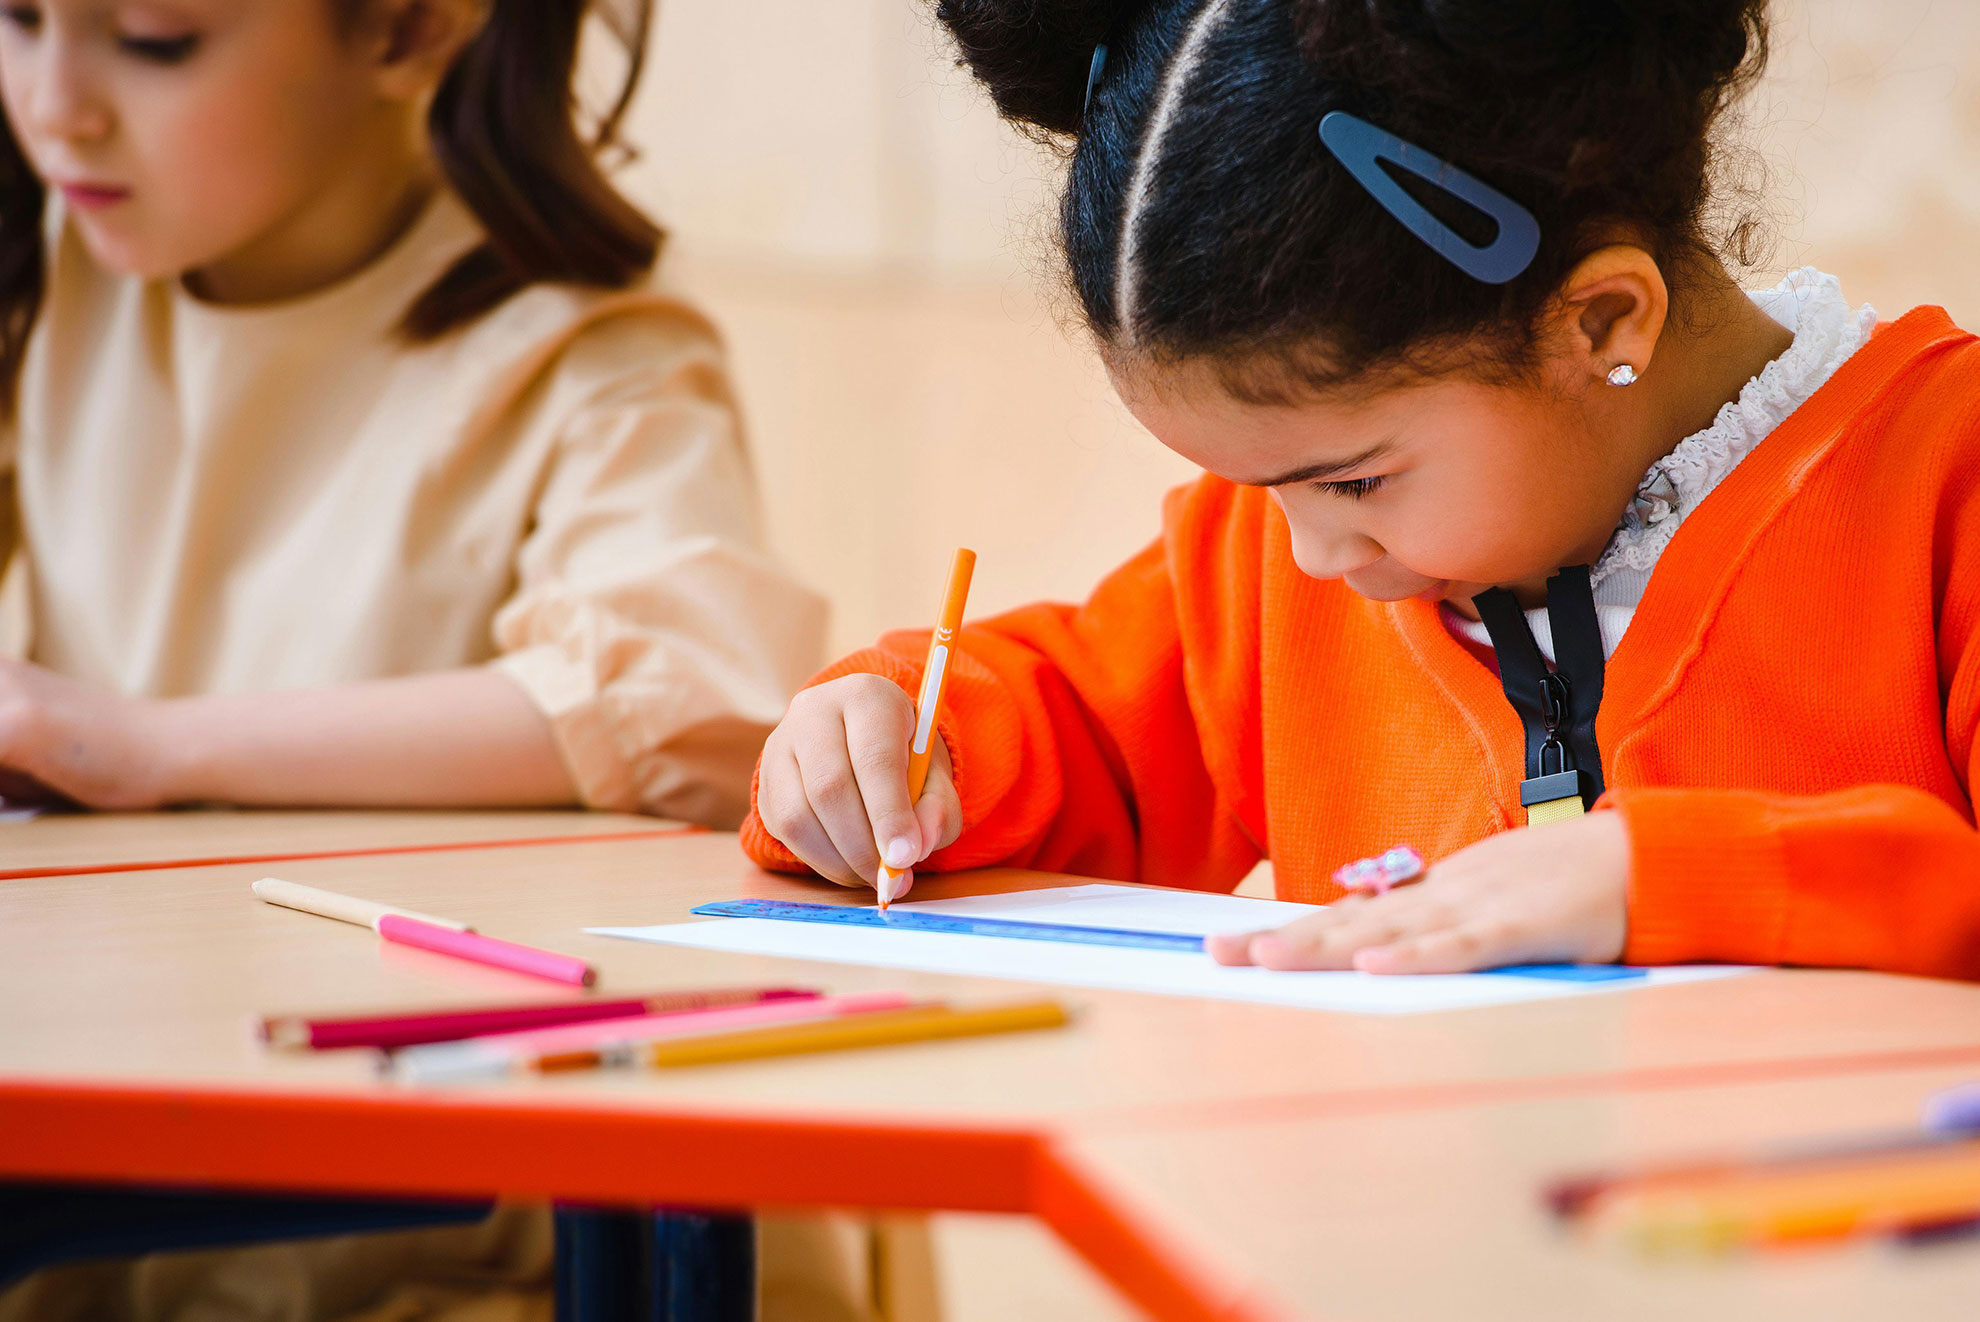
(873, 241)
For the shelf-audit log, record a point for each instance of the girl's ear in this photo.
(1611, 312)
(414, 42)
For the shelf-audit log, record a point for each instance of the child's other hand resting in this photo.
(446, 738)
(833, 785)
(61, 738)
(1554, 893)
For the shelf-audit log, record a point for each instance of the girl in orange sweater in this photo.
(1517, 505)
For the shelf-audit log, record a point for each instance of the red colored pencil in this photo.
(413, 1027)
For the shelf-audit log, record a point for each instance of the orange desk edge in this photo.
(445, 846)
(418, 1144)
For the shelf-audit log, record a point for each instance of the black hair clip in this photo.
(1360, 147)
(1093, 72)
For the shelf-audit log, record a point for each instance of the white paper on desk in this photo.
(1164, 972)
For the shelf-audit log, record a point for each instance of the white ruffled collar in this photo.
(1826, 332)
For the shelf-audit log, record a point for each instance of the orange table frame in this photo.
(440, 1145)
(437, 1147)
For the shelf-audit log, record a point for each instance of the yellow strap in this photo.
(1555, 810)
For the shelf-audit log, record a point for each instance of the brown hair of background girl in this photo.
(504, 132)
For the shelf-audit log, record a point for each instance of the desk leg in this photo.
(618, 1266)
(704, 1268)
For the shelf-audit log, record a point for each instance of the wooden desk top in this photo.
(152, 976)
(126, 1053)
(67, 843)
(1437, 1212)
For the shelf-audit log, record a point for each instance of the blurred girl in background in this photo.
(357, 457)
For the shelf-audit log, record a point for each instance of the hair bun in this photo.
(1547, 94)
(1701, 44)
(1033, 55)
(1513, 36)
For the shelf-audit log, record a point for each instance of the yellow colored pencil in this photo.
(934, 676)
(1870, 1196)
(875, 1029)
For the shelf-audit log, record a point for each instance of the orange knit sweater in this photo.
(1788, 724)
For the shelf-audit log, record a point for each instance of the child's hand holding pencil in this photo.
(855, 781)
(834, 784)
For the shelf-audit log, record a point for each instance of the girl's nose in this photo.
(64, 103)
(1332, 553)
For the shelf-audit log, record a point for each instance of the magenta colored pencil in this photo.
(653, 1027)
(415, 1027)
(487, 950)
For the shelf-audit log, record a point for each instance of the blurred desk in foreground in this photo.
(1437, 1212)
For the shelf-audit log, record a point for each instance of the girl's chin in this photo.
(1434, 590)
(116, 249)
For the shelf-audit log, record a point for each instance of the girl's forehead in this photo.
(1271, 442)
(1252, 441)
(1213, 393)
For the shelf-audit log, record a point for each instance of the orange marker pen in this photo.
(933, 676)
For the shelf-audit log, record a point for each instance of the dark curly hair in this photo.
(504, 131)
(1202, 217)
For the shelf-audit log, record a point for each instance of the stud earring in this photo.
(1622, 374)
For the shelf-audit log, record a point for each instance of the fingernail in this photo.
(901, 852)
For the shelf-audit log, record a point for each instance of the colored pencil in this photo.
(1954, 1111)
(934, 676)
(486, 950)
(614, 1041)
(1576, 1197)
(914, 1024)
(1899, 1194)
(344, 908)
(413, 1027)
(628, 1049)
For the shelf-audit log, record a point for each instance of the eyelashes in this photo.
(153, 50)
(160, 50)
(1354, 490)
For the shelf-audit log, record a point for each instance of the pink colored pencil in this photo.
(659, 1027)
(581, 1045)
(411, 1028)
(487, 950)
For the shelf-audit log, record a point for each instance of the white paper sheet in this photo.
(1137, 908)
(1163, 972)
